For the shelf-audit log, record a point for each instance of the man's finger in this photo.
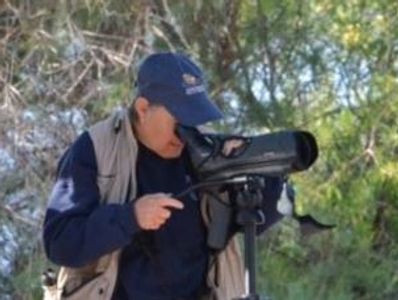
(169, 202)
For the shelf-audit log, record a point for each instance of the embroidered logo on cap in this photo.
(190, 79)
(193, 84)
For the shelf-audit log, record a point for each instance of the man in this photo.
(114, 195)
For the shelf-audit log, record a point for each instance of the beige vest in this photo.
(116, 154)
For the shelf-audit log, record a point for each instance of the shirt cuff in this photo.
(127, 220)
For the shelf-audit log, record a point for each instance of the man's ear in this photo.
(141, 106)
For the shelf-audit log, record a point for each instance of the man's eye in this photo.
(176, 131)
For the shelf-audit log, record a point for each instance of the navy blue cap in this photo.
(174, 81)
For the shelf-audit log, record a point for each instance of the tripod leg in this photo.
(250, 262)
(250, 259)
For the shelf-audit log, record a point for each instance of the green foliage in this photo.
(334, 266)
(27, 283)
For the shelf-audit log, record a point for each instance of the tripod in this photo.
(248, 201)
(249, 198)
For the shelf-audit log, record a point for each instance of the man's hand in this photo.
(153, 210)
(230, 145)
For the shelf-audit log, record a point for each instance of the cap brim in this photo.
(194, 110)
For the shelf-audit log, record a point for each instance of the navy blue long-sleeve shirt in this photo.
(166, 264)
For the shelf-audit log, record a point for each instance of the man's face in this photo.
(155, 128)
